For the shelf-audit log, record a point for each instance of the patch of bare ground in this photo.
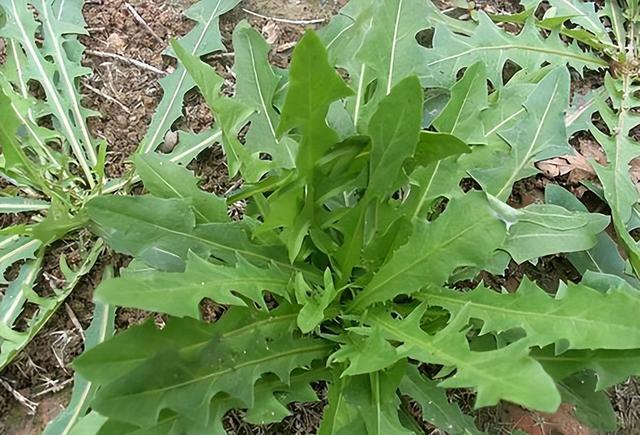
(626, 403)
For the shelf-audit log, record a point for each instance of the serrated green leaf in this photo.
(528, 49)
(579, 12)
(582, 318)
(53, 60)
(467, 233)
(179, 294)
(163, 238)
(15, 248)
(619, 190)
(376, 43)
(436, 408)
(390, 48)
(13, 301)
(437, 173)
(233, 356)
(256, 86)
(231, 115)
(26, 108)
(271, 394)
(13, 341)
(440, 179)
(343, 37)
(366, 354)
(204, 38)
(132, 347)
(16, 164)
(538, 136)
(505, 113)
(508, 373)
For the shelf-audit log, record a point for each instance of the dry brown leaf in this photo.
(591, 149)
(563, 165)
(578, 165)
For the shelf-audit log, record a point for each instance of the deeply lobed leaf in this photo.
(582, 318)
(184, 366)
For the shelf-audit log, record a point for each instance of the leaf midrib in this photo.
(530, 150)
(525, 314)
(218, 284)
(253, 362)
(211, 242)
(423, 344)
(234, 333)
(564, 54)
(370, 291)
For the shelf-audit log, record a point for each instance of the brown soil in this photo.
(129, 93)
(562, 422)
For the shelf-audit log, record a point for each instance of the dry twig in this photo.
(135, 62)
(142, 22)
(285, 20)
(54, 386)
(106, 96)
(29, 404)
(74, 320)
